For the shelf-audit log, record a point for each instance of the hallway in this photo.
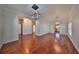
(45, 44)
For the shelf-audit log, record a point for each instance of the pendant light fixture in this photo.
(35, 7)
(36, 14)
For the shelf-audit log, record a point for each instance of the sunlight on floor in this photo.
(27, 50)
(57, 36)
(57, 48)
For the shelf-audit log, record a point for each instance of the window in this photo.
(70, 28)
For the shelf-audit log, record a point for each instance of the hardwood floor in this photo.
(45, 44)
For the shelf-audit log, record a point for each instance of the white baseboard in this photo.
(27, 33)
(4, 42)
(73, 42)
(40, 34)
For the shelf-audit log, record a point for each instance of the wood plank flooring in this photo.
(45, 44)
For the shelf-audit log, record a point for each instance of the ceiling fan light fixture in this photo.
(35, 7)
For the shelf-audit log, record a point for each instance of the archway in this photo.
(27, 33)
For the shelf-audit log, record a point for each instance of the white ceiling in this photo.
(47, 11)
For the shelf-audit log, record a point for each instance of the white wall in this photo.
(75, 27)
(0, 27)
(42, 28)
(48, 27)
(11, 25)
